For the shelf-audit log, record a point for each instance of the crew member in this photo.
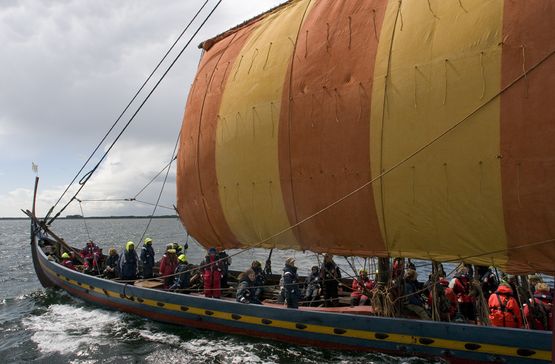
(313, 286)
(246, 290)
(330, 275)
(128, 262)
(539, 310)
(147, 258)
(183, 274)
(447, 300)
(290, 284)
(260, 279)
(111, 270)
(503, 308)
(413, 301)
(460, 285)
(212, 269)
(361, 289)
(168, 263)
(66, 262)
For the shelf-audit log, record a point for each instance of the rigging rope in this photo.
(84, 220)
(87, 176)
(161, 190)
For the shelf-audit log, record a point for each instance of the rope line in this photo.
(126, 108)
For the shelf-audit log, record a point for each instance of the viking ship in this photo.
(414, 128)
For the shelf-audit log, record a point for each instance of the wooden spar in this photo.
(53, 235)
(35, 195)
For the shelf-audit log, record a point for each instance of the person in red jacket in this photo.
(447, 303)
(361, 289)
(66, 262)
(460, 285)
(539, 310)
(212, 269)
(168, 263)
(503, 308)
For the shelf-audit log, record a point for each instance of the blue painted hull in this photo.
(454, 342)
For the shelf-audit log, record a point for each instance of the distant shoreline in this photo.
(73, 217)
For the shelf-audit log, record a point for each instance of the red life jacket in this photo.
(504, 310)
(68, 264)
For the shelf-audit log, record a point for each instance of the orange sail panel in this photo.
(294, 110)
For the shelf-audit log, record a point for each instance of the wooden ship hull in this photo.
(457, 343)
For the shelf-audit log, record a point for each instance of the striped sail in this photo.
(447, 106)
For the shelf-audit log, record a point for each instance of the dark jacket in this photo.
(330, 273)
(412, 297)
(147, 255)
(260, 279)
(128, 264)
(290, 281)
(182, 280)
(246, 292)
(112, 261)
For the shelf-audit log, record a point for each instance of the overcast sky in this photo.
(68, 68)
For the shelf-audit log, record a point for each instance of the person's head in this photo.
(212, 251)
(256, 264)
(176, 246)
(363, 273)
(315, 269)
(112, 251)
(411, 275)
(290, 262)
(169, 246)
(534, 280)
(328, 258)
(182, 258)
(171, 252)
(148, 241)
(251, 275)
(65, 255)
(542, 287)
(130, 246)
(90, 243)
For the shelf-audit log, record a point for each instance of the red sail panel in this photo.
(324, 128)
(528, 135)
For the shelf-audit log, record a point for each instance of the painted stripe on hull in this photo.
(326, 334)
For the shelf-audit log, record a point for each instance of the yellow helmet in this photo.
(148, 241)
(129, 245)
(182, 258)
(65, 255)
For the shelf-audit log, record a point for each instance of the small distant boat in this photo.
(413, 129)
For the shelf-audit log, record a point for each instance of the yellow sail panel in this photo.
(430, 74)
(246, 137)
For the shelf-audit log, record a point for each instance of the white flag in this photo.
(35, 167)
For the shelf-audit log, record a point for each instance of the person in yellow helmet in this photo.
(147, 258)
(183, 277)
(66, 261)
(128, 262)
